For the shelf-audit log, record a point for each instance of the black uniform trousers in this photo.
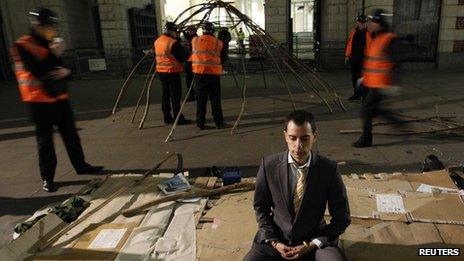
(171, 94)
(45, 116)
(372, 107)
(208, 85)
(189, 78)
(356, 66)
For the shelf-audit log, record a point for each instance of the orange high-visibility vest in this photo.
(165, 60)
(206, 55)
(377, 64)
(31, 88)
(349, 44)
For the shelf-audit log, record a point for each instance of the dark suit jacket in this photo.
(273, 203)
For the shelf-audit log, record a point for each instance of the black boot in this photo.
(168, 120)
(363, 141)
(183, 121)
(49, 186)
(88, 169)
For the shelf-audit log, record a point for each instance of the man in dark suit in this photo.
(292, 191)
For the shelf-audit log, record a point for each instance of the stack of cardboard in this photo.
(392, 216)
(431, 218)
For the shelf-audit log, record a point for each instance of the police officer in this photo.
(170, 55)
(358, 39)
(208, 55)
(42, 84)
(189, 34)
(379, 62)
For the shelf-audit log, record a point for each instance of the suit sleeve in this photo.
(339, 211)
(262, 205)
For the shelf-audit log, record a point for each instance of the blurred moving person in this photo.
(379, 62)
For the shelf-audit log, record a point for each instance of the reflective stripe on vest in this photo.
(377, 64)
(31, 88)
(206, 55)
(165, 60)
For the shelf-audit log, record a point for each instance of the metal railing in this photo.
(82, 62)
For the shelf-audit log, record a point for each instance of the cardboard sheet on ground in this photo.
(231, 234)
(392, 240)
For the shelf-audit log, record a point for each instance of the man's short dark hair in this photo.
(300, 117)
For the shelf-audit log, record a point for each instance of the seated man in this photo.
(292, 190)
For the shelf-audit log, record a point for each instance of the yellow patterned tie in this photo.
(299, 191)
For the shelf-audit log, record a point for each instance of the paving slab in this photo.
(112, 141)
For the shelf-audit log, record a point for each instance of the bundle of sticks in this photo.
(278, 56)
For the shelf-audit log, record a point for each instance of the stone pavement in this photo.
(118, 145)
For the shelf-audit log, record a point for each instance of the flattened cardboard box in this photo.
(86, 247)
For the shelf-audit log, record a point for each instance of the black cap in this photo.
(170, 27)
(361, 18)
(44, 16)
(379, 16)
(208, 27)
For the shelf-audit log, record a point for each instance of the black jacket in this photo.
(273, 203)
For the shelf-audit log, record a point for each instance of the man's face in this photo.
(300, 140)
(360, 25)
(47, 31)
(373, 26)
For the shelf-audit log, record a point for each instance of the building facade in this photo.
(436, 27)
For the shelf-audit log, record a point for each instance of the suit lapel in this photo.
(283, 175)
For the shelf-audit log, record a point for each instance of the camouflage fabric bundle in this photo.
(68, 211)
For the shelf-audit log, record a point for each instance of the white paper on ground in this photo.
(425, 188)
(390, 203)
(179, 241)
(141, 243)
(108, 238)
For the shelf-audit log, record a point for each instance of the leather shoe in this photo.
(88, 169)
(168, 120)
(49, 186)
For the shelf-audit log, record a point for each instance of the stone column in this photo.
(277, 19)
(115, 24)
(450, 52)
(335, 27)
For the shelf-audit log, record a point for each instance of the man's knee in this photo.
(330, 253)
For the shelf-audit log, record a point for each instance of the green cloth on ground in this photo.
(68, 211)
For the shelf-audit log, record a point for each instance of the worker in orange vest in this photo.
(208, 55)
(170, 55)
(379, 62)
(42, 84)
(358, 39)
